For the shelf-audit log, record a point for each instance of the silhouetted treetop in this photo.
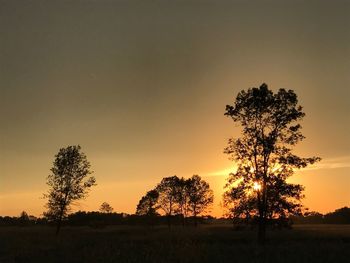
(200, 196)
(106, 208)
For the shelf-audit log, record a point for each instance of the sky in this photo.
(142, 87)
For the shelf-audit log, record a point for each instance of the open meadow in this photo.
(206, 243)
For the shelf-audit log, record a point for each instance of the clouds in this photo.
(331, 163)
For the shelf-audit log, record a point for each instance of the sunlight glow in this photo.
(256, 186)
(225, 172)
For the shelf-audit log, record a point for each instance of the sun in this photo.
(256, 186)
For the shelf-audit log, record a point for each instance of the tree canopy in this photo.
(177, 196)
(264, 155)
(106, 208)
(148, 204)
(200, 196)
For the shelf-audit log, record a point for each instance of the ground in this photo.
(215, 243)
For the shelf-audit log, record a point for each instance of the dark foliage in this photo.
(147, 206)
(98, 219)
(68, 182)
(177, 197)
(263, 154)
(339, 216)
(106, 208)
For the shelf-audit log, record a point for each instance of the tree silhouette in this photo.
(264, 155)
(148, 204)
(68, 182)
(182, 198)
(23, 218)
(168, 190)
(200, 196)
(177, 196)
(106, 208)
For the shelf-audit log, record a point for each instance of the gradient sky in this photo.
(142, 87)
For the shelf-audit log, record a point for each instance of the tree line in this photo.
(98, 219)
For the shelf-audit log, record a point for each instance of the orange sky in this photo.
(143, 88)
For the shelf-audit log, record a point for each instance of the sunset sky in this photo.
(142, 87)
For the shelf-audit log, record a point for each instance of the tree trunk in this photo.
(63, 207)
(262, 221)
(59, 222)
(168, 221)
(261, 230)
(195, 219)
(170, 213)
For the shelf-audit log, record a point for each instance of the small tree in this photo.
(23, 219)
(147, 206)
(264, 155)
(200, 196)
(106, 208)
(68, 182)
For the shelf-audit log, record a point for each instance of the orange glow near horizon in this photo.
(122, 199)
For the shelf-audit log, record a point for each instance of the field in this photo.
(217, 243)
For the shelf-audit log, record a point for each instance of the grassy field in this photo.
(304, 243)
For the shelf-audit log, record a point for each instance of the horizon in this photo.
(143, 89)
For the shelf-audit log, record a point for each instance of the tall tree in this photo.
(168, 190)
(200, 196)
(264, 155)
(106, 208)
(148, 204)
(182, 198)
(68, 182)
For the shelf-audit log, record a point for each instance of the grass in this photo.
(304, 243)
